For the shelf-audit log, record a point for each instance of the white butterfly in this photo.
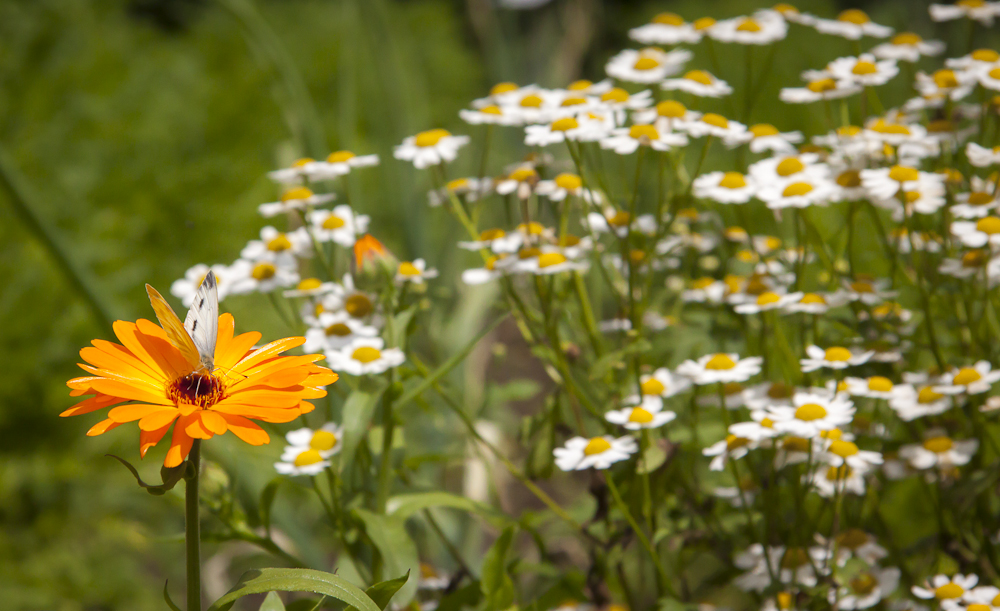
(196, 337)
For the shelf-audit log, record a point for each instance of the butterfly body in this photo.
(195, 338)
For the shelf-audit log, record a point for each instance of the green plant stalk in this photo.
(664, 580)
(192, 528)
(388, 431)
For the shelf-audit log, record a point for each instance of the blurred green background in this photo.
(138, 135)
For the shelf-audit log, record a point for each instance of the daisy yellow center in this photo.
(762, 130)
(794, 558)
(879, 384)
(263, 271)
(492, 262)
(568, 240)
(652, 386)
(303, 162)
(733, 180)
(523, 174)
(767, 423)
(995, 73)
(619, 219)
(646, 63)
(430, 137)
(703, 23)
(784, 599)
(427, 571)
(796, 444)
(580, 85)
(768, 298)
(733, 442)
(864, 584)
(927, 394)
(748, 25)
(938, 444)
(639, 132)
(532, 228)
(201, 389)
(966, 375)
(945, 79)
(842, 472)
(702, 283)
(324, 441)
(978, 607)
(948, 591)
(746, 256)
(975, 258)
(573, 101)
(996, 601)
(358, 305)
(813, 298)
(715, 119)
(789, 166)
(810, 412)
(797, 189)
(837, 354)
(636, 255)
(832, 434)
(780, 390)
(340, 156)
(528, 253)
(699, 76)
(671, 109)
(457, 184)
(551, 258)
(669, 19)
(989, 225)
(565, 124)
(408, 269)
(491, 234)
(850, 179)
(333, 222)
(504, 87)
(906, 38)
(720, 362)
(862, 287)
(971, 3)
(279, 243)
(821, 85)
(890, 128)
(338, 329)
(570, 182)
(366, 354)
(296, 193)
(911, 196)
(843, 448)
(901, 173)
(309, 284)
(308, 457)
(531, 101)
(492, 109)
(616, 94)
(863, 67)
(597, 445)
(855, 16)
(640, 416)
(985, 55)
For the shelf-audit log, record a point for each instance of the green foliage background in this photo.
(143, 144)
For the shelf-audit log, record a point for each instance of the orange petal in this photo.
(91, 404)
(265, 397)
(227, 356)
(213, 422)
(262, 354)
(246, 430)
(305, 407)
(148, 439)
(152, 348)
(135, 411)
(157, 420)
(197, 429)
(266, 414)
(180, 444)
(102, 427)
(122, 354)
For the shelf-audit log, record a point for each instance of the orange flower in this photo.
(368, 247)
(146, 378)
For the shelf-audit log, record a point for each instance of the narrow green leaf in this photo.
(272, 603)
(305, 604)
(383, 591)
(259, 581)
(463, 598)
(397, 339)
(358, 410)
(399, 553)
(166, 597)
(496, 584)
(447, 366)
(170, 476)
(405, 505)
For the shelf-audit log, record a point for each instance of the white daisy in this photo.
(566, 184)
(325, 440)
(732, 447)
(485, 274)
(626, 140)
(766, 137)
(363, 356)
(822, 88)
(335, 330)
(649, 65)
(264, 274)
(911, 402)
(762, 28)
(306, 462)
(835, 357)
(638, 417)
(712, 124)
(852, 24)
(340, 225)
(491, 114)
(714, 368)
(295, 198)
(811, 413)
(598, 452)
(665, 29)
(415, 271)
(886, 183)
(467, 189)
(797, 194)
(863, 70)
(982, 157)
(843, 452)
(978, 10)
(943, 588)
(985, 231)
(875, 387)
(187, 287)
(339, 163)
(429, 148)
(828, 482)
(908, 47)
(725, 187)
(699, 83)
(768, 300)
(817, 303)
(939, 450)
(973, 380)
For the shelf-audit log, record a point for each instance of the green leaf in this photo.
(166, 597)
(652, 459)
(272, 603)
(447, 366)
(462, 598)
(169, 475)
(357, 415)
(399, 553)
(604, 364)
(405, 505)
(305, 604)
(383, 591)
(267, 497)
(496, 584)
(259, 581)
(397, 339)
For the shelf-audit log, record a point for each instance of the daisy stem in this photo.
(664, 580)
(192, 528)
(701, 162)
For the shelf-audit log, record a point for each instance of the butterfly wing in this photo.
(202, 322)
(176, 333)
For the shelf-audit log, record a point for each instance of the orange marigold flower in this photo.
(368, 247)
(147, 379)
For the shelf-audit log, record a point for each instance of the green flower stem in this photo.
(664, 579)
(192, 528)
